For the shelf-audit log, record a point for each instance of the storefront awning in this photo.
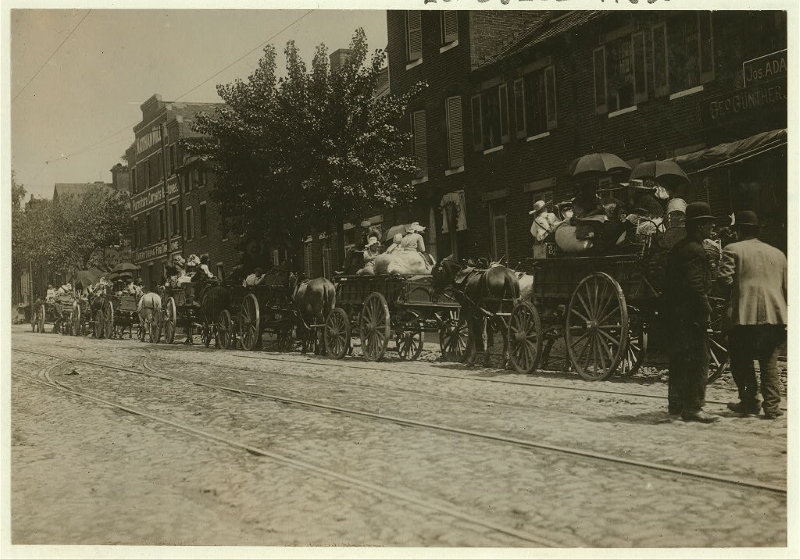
(731, 152)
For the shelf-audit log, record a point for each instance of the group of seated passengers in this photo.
(183, 271)
(602, 220)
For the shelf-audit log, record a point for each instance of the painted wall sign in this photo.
(157, 250)
(762, 98)
(763, 68)
(151, 197)
(147, 141)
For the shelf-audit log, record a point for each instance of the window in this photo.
(419, 132)
(497, 217)
(477, 119)
(187, 182)
(133, 181)
(155, 169)
(189, 223)
(146, 173)
(327, 261)
(449, 26)
(172, 160)
(135, 233)
(690, 54)
(201, 177)
(162, 226)
(148, 237)
(600, 102)
(176, 226)
(660, 70)
(536, 92)
(455, 140)
(490, 117)
(307, 262)
(639, 68)
(203, 219)
(413, 35)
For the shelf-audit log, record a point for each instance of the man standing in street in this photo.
(756, 274)
(687, 284)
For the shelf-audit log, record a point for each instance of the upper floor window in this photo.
(448, 22)
(620, 73)
(172, 159)
(490, 124)
(176, 226)
(413, 35)
(189, 223)
(134, 186)
(535, 102)
(690, 48)
(203, 219)
(455, 134)
(419, 133)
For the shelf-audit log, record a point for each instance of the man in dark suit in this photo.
(687, 310)
(756, 273)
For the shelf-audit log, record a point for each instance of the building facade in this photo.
(172, 212)
(501, 119)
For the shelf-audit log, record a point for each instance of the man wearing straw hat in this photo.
(687, 284)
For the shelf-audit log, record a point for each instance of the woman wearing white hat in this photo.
(544, 222)
(371, 252)
(413, 240)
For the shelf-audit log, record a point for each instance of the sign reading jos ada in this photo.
(763, 68)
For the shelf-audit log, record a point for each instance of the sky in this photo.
(78, 77)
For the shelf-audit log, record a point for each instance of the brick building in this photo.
(171, 207)
(513, 97)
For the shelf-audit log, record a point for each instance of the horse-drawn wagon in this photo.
(58, 311)
(258, 310)
(181, 308)
(606, 309)
(386, 307)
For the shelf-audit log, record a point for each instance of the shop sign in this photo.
(157, 250)
(764, 68)
(151, 197)
(755, 101)
(148, 140)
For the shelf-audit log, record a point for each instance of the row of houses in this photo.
(512, 98)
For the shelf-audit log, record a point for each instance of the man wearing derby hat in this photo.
(544, 222)
(756, 274)
(687, 282)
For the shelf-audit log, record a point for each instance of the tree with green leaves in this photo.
(308, 151)
(74, 233)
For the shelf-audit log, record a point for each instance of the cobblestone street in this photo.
(121, 442)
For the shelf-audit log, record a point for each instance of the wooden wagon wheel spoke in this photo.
(524, 337)
(374, 326)
(605, 322)
(337, 333)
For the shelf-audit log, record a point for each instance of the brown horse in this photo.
(314, 299)
(482, 294)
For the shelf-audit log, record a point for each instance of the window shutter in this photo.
(505, 133)
(420, 143)
(414, 35)
(706, 47)
(660, 65)
(550, 92)
(600, 100)
(639, 68)
(455, 134)
(519, 108)
(450, 25)
(477, 126)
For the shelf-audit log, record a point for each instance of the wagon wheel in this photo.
(41, 317)
(77, 319)
(250, 322)
(97, 323)
(597, 326)
(410, 338)
(207, 333)
(374, 326)
(453, 337)
(169, 321)
(224, 331)
(637, 348)
(337, 333)
(524, 337)
(108, 319)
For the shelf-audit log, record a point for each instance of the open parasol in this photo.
(392, 231)
(596, 164)
(125, 267)
(659, 170)
(87, 277)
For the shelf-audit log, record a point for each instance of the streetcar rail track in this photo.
(303, 465)
(648, 465)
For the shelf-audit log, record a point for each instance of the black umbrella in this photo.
(125, 267)
(659, 170)
(596, 164)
